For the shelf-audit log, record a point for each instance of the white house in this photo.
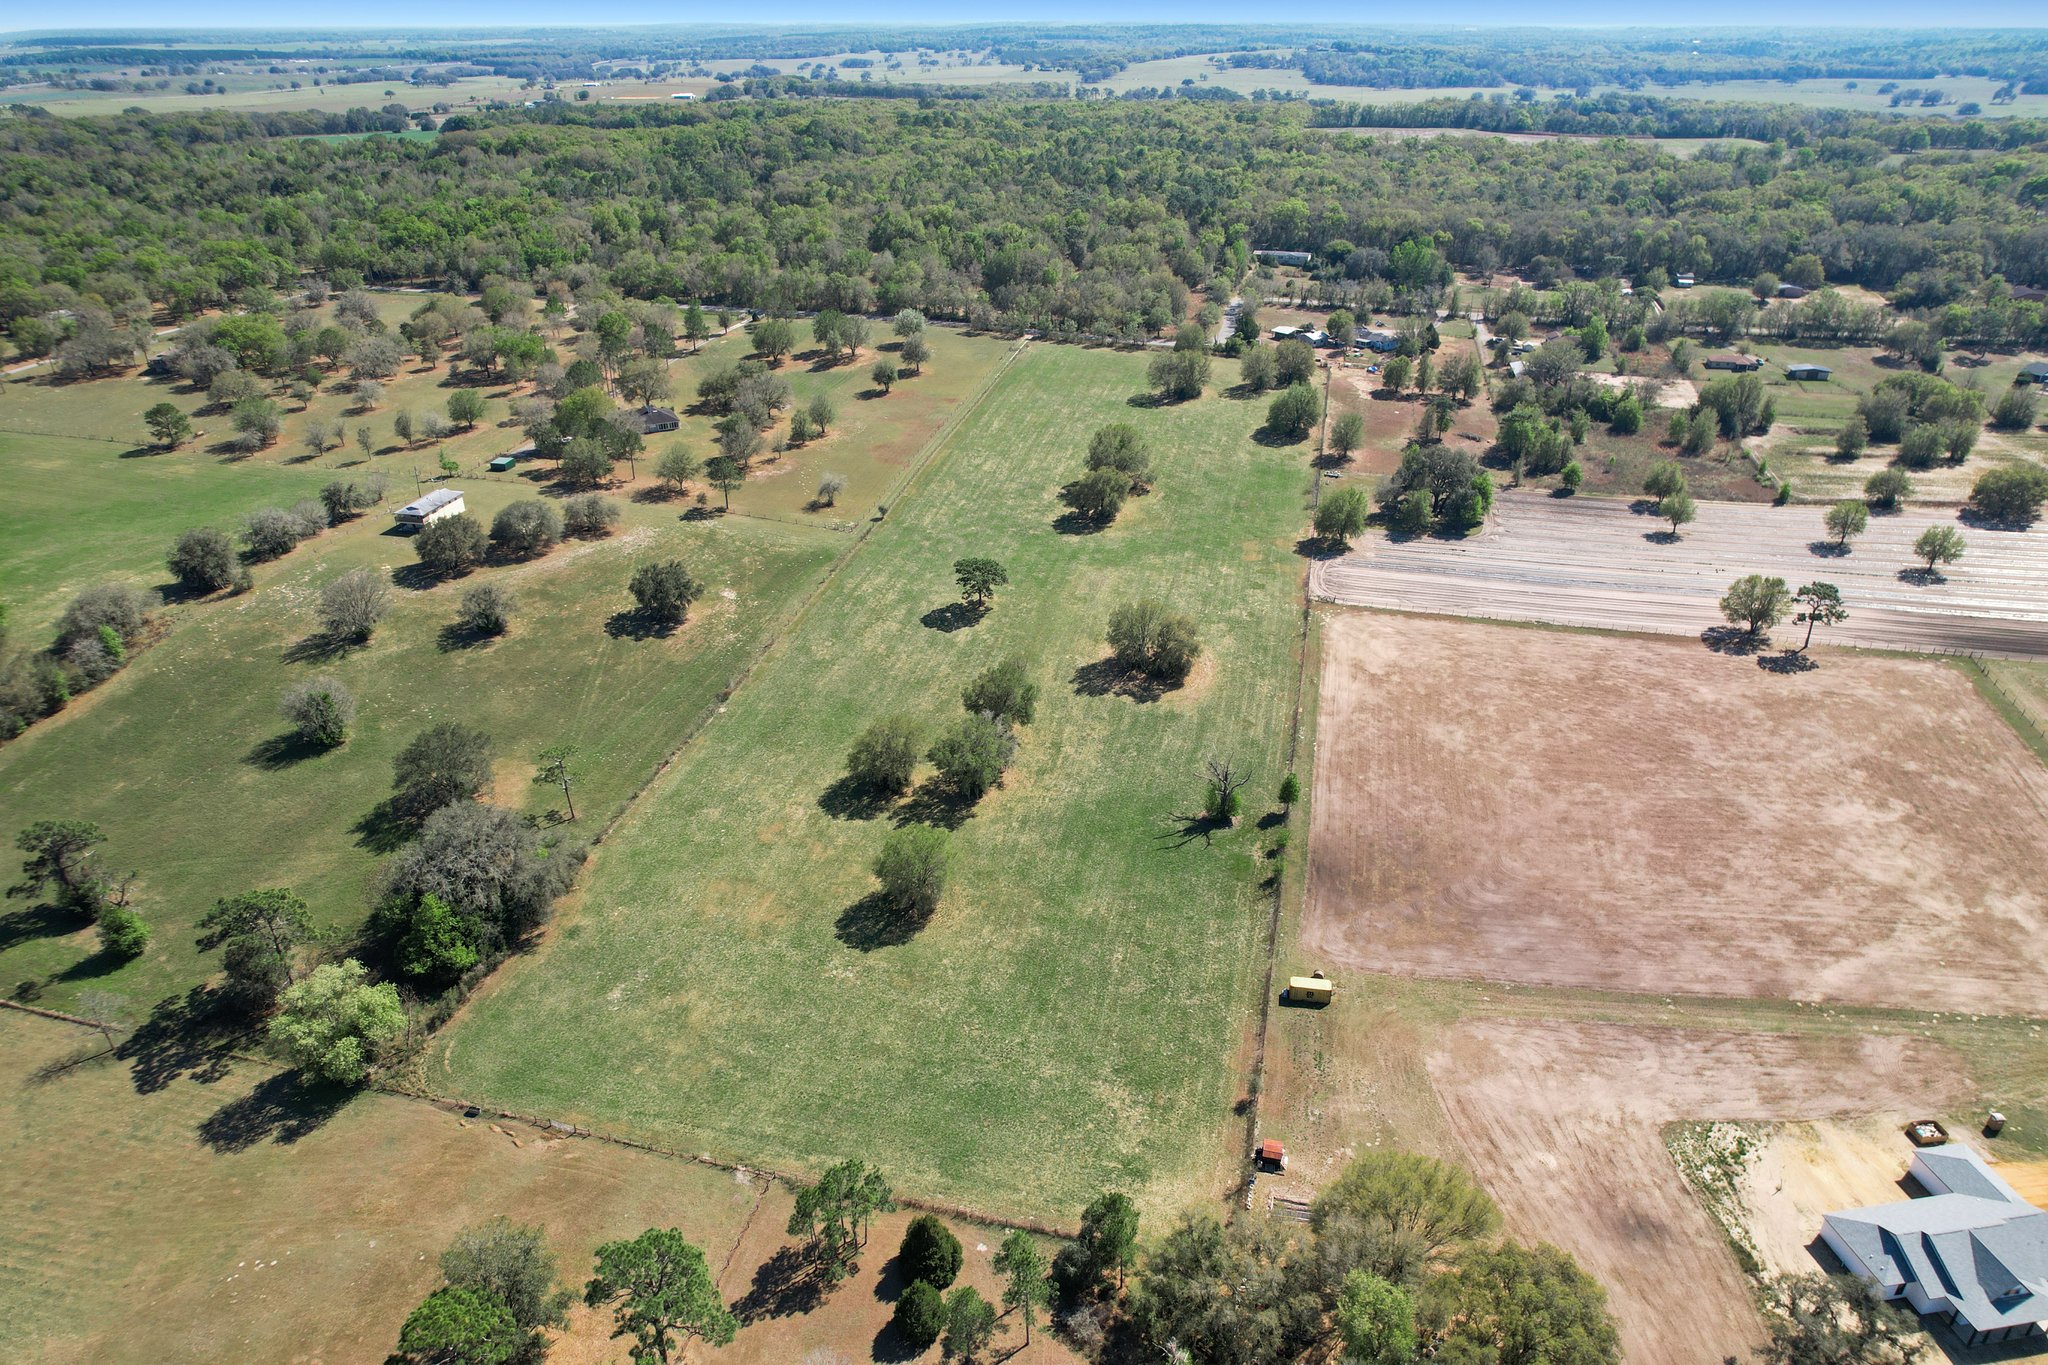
(1971, 1252)
(442, 502)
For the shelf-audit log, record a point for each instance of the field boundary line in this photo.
(2009, 708)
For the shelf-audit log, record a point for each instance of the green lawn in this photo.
(175, 757)
(1067, 1020)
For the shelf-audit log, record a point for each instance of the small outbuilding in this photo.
(1792, 291)
(1683, 282)
(1270, 1155)
(503, 463)
(1313, 989)
(425, 511)
(1281, 257)
(2033, 372)
(1809, 373)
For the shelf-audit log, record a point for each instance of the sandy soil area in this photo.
(1601, 562)
(1806, 1171)
(1563, 1122)
(1574, 810)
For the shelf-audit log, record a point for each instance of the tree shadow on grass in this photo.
(848, 799)
(282, 751)
(281, 1109)
(1736, 640)
(1186, 829)
(455, 636)
(634, 624)
(1920, 576)
(318, 648)
(1661, 537)
(1320, 547)
(1149, 400)
(1107, 677)
(1071, 523)
(94, 966)
(37, 921)
(414, 577)
(889, 1347)
(1787, 662)
(1827, 549)
(1274, 439)
(185, 1036)
(934, 802)
(786, 1284)
(386, 828)
(951, 617)
(876, 921)
(1978, 521)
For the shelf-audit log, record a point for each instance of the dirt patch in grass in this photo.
(1564, 1121)
(1572, 810)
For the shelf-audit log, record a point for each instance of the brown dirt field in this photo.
(1563, 1122)
(1639, 814)
(1806, 1171)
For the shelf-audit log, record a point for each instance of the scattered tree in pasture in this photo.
(511, 1264)
(663, 590)
(1757, 602)
(260, 931)
(1294, 362)
(1003, 690)
(589, 517)
(972, 755)
(168, 427)
(1342, 515)
(920, 1315)
(586, 462)
(1119, 446)
(485, 610)
(1664, 479)
(1939, 545)
(1853, 438)
(331, 1024)
(884, 374)
(1819, 604)
(1222, 804)
(60, 857)
(258, 420)
(204, 560)
(1257, 369)
(834, 1213)
(930, 1252)
(465, 408)
(1098, 495)
(353, 604)
(885, 755)
(460, 1327)
(1178, 376)
(1294, 412)
(443, 764)
(821, 413)
(2014, 411)
(915, 351)
(1104, 1250)
(738, 441)
(661, 1293)
(912, 867)
(486, 864)
(526, 528)
(726, 475)
(320, 711)
(970, 1324)
(676, 467)
(1571, 476)
(123, 934)
(1850, 517)
(774, 338)
(830, 486)
(553, 770)
(1022, 1264)
(1147, 636)
(451, 546)
(1395, 370)
(1347, 434)
(1290, 793)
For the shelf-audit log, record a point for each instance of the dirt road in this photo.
(1597, 562)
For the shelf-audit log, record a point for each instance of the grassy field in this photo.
(174, 1213)
(1065, 1021)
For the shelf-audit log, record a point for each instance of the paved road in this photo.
(1596, 562)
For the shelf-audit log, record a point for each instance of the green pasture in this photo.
(1065, 1022)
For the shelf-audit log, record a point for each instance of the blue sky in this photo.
(469, 13)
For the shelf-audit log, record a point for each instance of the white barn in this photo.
(1972, 1253)
(442, 502)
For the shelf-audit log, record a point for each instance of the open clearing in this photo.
(1563, 1122)
(1573, 810)
(1598, 562)
(1066, 1021)
(164, 1211)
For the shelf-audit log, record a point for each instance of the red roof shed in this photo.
(1271, 1150)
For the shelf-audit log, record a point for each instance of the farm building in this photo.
(425, 511)
(1971, 1252)
(503, 463)
(1813, 373)
(1271, 1155)
(1284, 331)
(1379, 340)
(1792, 291)
(1741, 363)
(1683, 282)
(2033, 372)
(652, 419)
(1282, 257)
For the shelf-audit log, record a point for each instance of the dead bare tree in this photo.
(1225, 781)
